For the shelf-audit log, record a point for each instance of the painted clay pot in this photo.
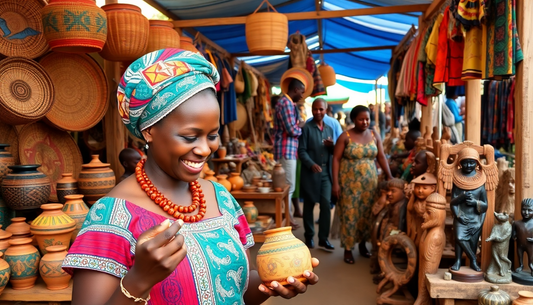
(279, 177)
(66, 186)
(494, 296)
(4, 240)
(282, 255)
(96, 180)
(50, 268)
(222, 180)
(250, 211)
(210, 175)
(23, 259)
(5, 213)
(236, 181)
(25, 188)
(5, 272)
(524, 298)
(19, 228)
(6, 160)
(222, 152)
(52, 227)
(76, 208)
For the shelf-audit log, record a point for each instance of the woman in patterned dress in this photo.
(355, 180)
(135, 247)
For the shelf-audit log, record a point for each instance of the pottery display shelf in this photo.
(38, 294)
(264, 202)
(217, 162)
(446, 292)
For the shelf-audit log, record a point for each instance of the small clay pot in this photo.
(96, 180)
(222, 152)
(222, 180)
(236, 181)
(50, 268)
(76, 208)
(52, 227)
(210, 175)
(524, 298)
(66, 186)
(25, 188)
(19, 228)
(5, 272)
(23, 259)
(279, 177)
(250, 211)
(4, 240)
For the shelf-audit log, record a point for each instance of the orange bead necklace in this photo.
(168, 206)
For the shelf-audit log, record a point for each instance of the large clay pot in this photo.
(66, 186)
(50, 268)
(524, 298)
(76, 208)
(162, 36)
(6, 160)
(23, 259)
(5, 214)
(96, 180)
(236, 181)
(222, 180)
(52, 227)
(25, 188)
(279, 177)
(250, 211)
(494, 296)
(282, 255)
(5, 272)
(19, 228)
(4, 240)
(210, 175)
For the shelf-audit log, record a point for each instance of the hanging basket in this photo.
(127, 33)
(162, 36)
(328, 75)
(266, 33)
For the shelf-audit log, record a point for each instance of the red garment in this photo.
(455, 59)
(510, 114)
(441, 67)
(421, 96)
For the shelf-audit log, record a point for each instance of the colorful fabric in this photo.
(441, 64)
(158, 82)
(286, 129)
(215, 270)
(358, 181)
(473, 50)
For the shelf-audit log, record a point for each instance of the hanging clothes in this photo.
(421, 96)
(441, 64)
(228, 96)
(431, 53)
(318, 85)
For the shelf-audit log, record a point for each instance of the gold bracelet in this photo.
(129, 296)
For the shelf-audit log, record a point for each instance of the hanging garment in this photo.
(318, 85)
(441, 64)
(431, 53)
(473, 50)
(299, 50)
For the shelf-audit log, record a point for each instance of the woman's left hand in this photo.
(296, 287)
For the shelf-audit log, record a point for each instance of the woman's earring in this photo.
(146, 146)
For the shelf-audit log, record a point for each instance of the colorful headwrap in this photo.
(158, 83)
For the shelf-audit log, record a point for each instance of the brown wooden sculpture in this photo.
(505, 193)
(396, 208)
(390, 140)
(425, 185)
(499, 270)
(523, 234)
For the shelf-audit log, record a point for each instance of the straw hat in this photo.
(300, 74)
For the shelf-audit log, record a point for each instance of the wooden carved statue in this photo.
(446, 135)
(391, 139)
(425, 185)
(503, 165)
(499, 270)
(420, 144)
(396, 208)
(505, 193)
(428, 140)
(431, 244)
(523, 234)
(379, 212)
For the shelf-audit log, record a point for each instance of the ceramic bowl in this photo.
(249, 188)
(263, 189)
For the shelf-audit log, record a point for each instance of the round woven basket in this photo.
(74, 26)
(186, 44)
(9, 135)
(26, 91)
(328, 75)
(300, 74)
(127, 33)
(267, 32)
(21, 29)
(81, 91)
(162, 36)
(54, 149)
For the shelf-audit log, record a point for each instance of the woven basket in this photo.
(54, 149)
(8, 135)
(127, 33)
(186, 44)
(21, 29)
(26, 91)
(162, 36)
(74, 26)
(328, 75)
(266, 33)
(81, 91)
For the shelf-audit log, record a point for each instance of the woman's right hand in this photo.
(336, 190)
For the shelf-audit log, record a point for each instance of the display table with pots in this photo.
(267, 203)
(38, 294)
(238, 162)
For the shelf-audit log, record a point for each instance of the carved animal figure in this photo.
(500, 235)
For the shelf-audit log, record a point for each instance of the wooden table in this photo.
(238, 161)
(267, 198)
(39, 294)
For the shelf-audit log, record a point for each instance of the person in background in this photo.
(315, 151)
(330, 121)
(372, 116)
(129, 158)
(382, 123)
(388, 117)
(452, 105)
(330, 111)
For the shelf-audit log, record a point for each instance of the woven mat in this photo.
(8, 135)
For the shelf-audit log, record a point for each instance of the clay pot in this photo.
(243, 150)
(76, 208)
(25, 188)
(6, 160)
(19, 228)
(494, 296)
(210, 175)
(282, 255)
(279, 177)
(236, 181)
(4, 240)
(96, 180)
(222, 152)
(256, 181)
(50, 268)
(5, 272)
(222, 180)
(250, 211)
(66, 186)
(23, 259)
(52, 227)
(524, 298)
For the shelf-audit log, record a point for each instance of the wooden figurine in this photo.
(505, 193)
(523, 234)
(431, 244)
(397, 208)
(499, 270)
(424, 186)
(379, 212)
(503, 165)
(391, 139)
(428, 140)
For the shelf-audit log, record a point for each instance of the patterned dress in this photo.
(358, 182)
(215, 270)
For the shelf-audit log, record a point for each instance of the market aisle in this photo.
(340, 283)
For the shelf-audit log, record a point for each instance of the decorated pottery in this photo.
(279, 177)
(52, 227)
(4, 241)
(222, 152)
(66, 186)
(76, 208)
(23, 259)
(282, 255)
(25, 188)
(50, 268)
(210, 175)
(5, 272)
(5, 214)
(222, 180)
(494, 296)
(250, 211)
(19, 228)
(236, 181)
(524, 298)
(96, 180)
(6, 159)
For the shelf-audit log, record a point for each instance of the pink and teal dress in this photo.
(215, 270)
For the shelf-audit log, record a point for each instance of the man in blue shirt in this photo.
(331, 122)
(451, 96)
